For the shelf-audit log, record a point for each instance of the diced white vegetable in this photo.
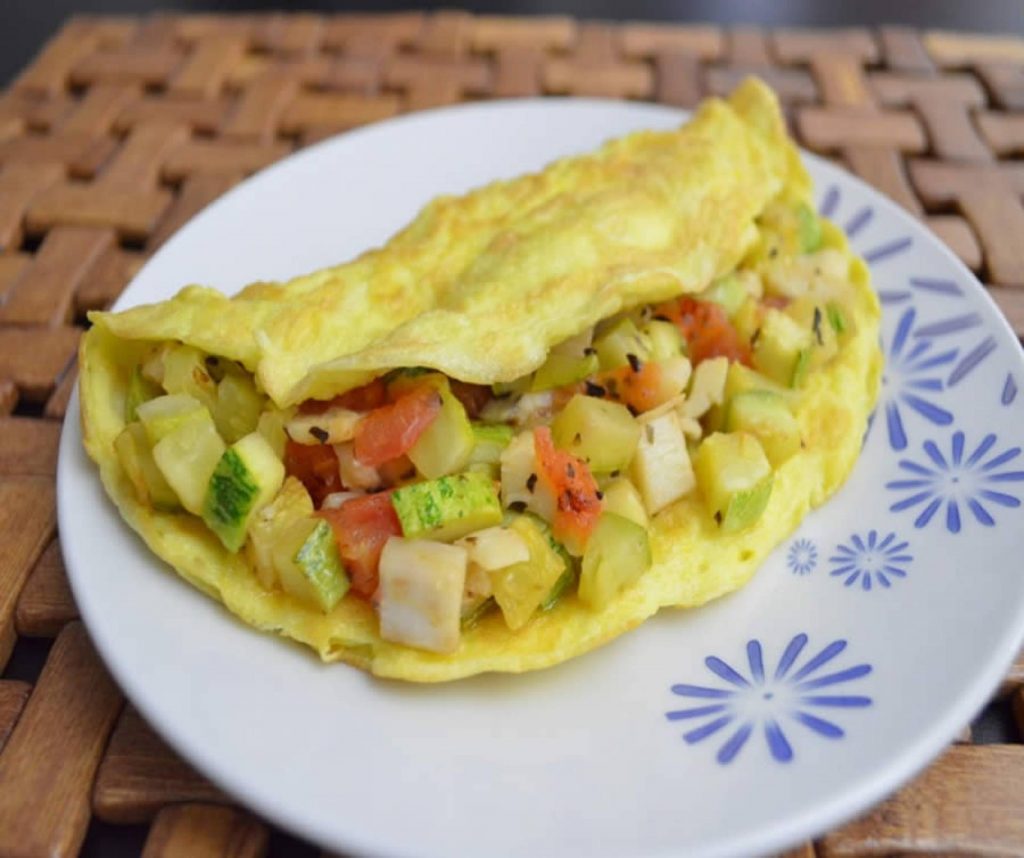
(420, 595)
(529, 409)
(661, 468)
(354, 474)
(334, 426)
(707, 387)
(495, 548)
(336, 500)
(519, 476)
(691, 428)
(478, 587)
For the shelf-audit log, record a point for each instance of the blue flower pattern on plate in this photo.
(802, 557)
(976, 482)
(870, 560)
(769, 702)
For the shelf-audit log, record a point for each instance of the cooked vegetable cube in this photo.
(292, 504)
(448, 507)
(519, 481)
(238, 407)
(665, 340)
(187, 458)
(808, 228)
(623, 339)
(812, 315)
(766, 416)
(560, 370)
(735, 478)
(140, 389)
(783, 349)
(245, 479)
(622, 498)
(419, 600)
(603, 434)
(334, 426)
(495, 548)
(165, 414)
(136, 458)
(308, 565)
(354, 474)
(707, 387)
(521, 588)
(447, 443)
(271, 427)
(661, 469)
(185, 371)
(728, 292)
(742, 378)
(618, 553)
(490, 440)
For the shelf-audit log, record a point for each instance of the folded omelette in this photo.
(538, 414)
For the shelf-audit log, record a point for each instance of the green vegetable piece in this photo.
(728, 292)
(446, 444)
(514, 387)
(308, 564)
(782, 350)
(447, 508)
(271, 426)
(837, 318)
(291, 504)
(618, 553)
(766, 416)
(140, 389)
(185, 371)
(808, 228)
(238, 406)
(619, 342)
(520, 589)
(560, 370)
(477, 612)
(603, 434)
(562, 586)
(136, 458)
(245, 479)
(666, 340)
(165, 414)
(623, 498)
(187, 458)
(735, 477)
(489, 440)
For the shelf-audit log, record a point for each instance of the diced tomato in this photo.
(361, 527)
(472, 396)
(391, 431)
(640, 389)
(365, 398)
(316, 465)
(577, 505)
(707, 329)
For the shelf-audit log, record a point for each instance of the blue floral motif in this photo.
(977, 481)
(912, 379)
(1009, 390)
(769, 701)
(870, 560)
(802, 557)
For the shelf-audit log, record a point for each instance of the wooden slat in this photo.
(13, 695)
(828, 130)
(198, 114)
(254, 118)
(205, 70)
(957, 233)
(106, 280)
(80, 155)
(1011, 301)
(957, 50)
(8, 396)
(28, 447)
(1004, 132)
(208, 156)
(651, 40)
(35, 359)
(904, 51)
(19, 185)
(335, 111)
(1005, 83)
(292, 34)
(1018, 710)
(43, 294)
(51, 757)
(95, 113)
(882, 167)
(373, 35)
(970, 802)
(801, 45)
(49, 71)
(136, 65)
(12, 266)
(430, 81)
(140, 774)
(57, 402)
(498, 34)
(46, 604)
(596, 68)
(205, 831)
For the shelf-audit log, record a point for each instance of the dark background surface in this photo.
(26, 24)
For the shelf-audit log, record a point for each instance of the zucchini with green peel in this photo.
(238, 407)
(165, 414)
(766, 416)
(187, 457)
(291, 504)
(521, 588)
(665, 339)
(489, 440)
(562, 370)
(622, 498)
(728, 292)
(735, 477)
(308, 565)
(782, 350)
(271, 426)
(446, 445)
(603, 434)
(808, 228)
(136, 458)
(447, 508)
(246, 478)
(618, 553)
(140, 389)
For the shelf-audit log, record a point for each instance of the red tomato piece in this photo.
(391, 431)
(640, 389)
(365, 398)
(316, 465)
(707, 329)
(577, 504)
(361, 527)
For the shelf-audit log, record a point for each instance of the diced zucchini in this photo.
(187, 458)
(292, 503)
(728, 292)
(495, 548)
(622, 498)
(742, 378)
(838, 318)
(448, 507)
(623, 339)
(334, 426)
(308, 565)
(812, 316)
(238, 407)
(618, 553)
(707, 387)
(735, 478)
(140, 389)
(271, 427)
(766, 416)
(419, 600)
(490, 439)
(563, 585)
(808, 228)
(603, 434)
(245, 479)
(665, 340)
(561, 370)
(152, 366)
(521, 588)
(661, 469)
(447, 443)
(783, 349)
(185, 371)
(577, 346)
(136, 458)
(747, 320)
(165, 414)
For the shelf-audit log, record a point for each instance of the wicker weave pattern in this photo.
(121, 129)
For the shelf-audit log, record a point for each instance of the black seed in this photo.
(570, 470)
(614, 473)
(517, 506)
(600, 495)
(756, 336)
(211, 361)
(320, 434)
(718, 517)
(661, 317)
(531, 482)
(634, 362)
(592, 389)
(816, 324)
(577, 439)
(632, 410)
(773, 252)
(589, 350)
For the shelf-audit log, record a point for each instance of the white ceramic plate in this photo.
(860, 648)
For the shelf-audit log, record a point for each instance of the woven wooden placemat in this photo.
(121, 129)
